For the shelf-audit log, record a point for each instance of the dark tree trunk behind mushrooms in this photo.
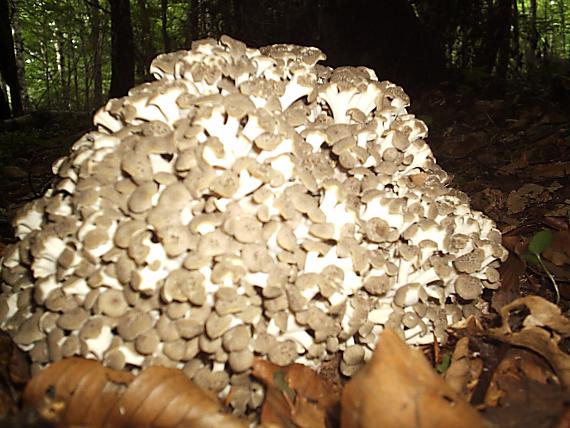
(95, 42)
(385, 35)
(497, 29)
(4, 106)
(146, 51)
(122, 49)
(8, 66)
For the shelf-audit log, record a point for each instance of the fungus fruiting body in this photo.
(249, 202)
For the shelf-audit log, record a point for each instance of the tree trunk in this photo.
(164, 22)
(95, 42)
(19, 52)
(44, 46)
(4, 106)
(62, 68)
(562, 13)
(496, 35)
(147, 47)
(532, 36)
(191, 26)
(353, 35)
(122, 49)
(8, 66)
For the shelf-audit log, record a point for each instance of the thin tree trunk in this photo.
(62, 67)
(47, 76)
(164, 22)
(531, 51)
(122, 49)
(146, 51)
(95, 42)
(4, 106)
(516, 34)
(19, 52)
(8, 65)
(497, 34)
(192, 30)
(561, 13)
(85, 75)
(73, 76)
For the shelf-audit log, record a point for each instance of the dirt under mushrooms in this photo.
(249, 202)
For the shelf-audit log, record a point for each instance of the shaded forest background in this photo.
(74, 54)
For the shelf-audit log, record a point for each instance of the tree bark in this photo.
(532, 35)
(8, 66)
(191, 25)
(95, 42)
(146, 52)
(164, 25)
(4, 106)
(122, 49)
(19, 52)
(62, 68)
(496, 35)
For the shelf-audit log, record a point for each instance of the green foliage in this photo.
(444, 364)
(540, 242)
(281, 384)
(537, 245)
(59, 48)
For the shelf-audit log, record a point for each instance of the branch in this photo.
(98, 6)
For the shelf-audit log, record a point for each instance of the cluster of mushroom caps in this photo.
(249, 202)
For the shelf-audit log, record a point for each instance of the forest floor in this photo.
(512, 157)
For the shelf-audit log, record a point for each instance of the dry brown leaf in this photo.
(464, 370)
(551, 169)
(14, 373)
(95, 396)
(399, 388)
(465, 144)
(542, 330)
(296, 395)
(511, 272)
(524, 392)
(559, 251)
(520, 163)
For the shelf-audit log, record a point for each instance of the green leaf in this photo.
(540, 242)
(444, 365)
(282, 385)
(532, 258)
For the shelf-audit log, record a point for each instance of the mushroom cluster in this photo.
(249, 202)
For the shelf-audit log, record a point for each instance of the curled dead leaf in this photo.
(465, 369)
(399, 388)
(542, 330)
(94, 396)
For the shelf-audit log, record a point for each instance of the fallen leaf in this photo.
(14, 373)
(520, 163)
(559, 252)
(511, 271)
(542, 330)
(399, 388)
(90, 395)
(464, 370)
(296, 395)
(524, 392)
(550, 170)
